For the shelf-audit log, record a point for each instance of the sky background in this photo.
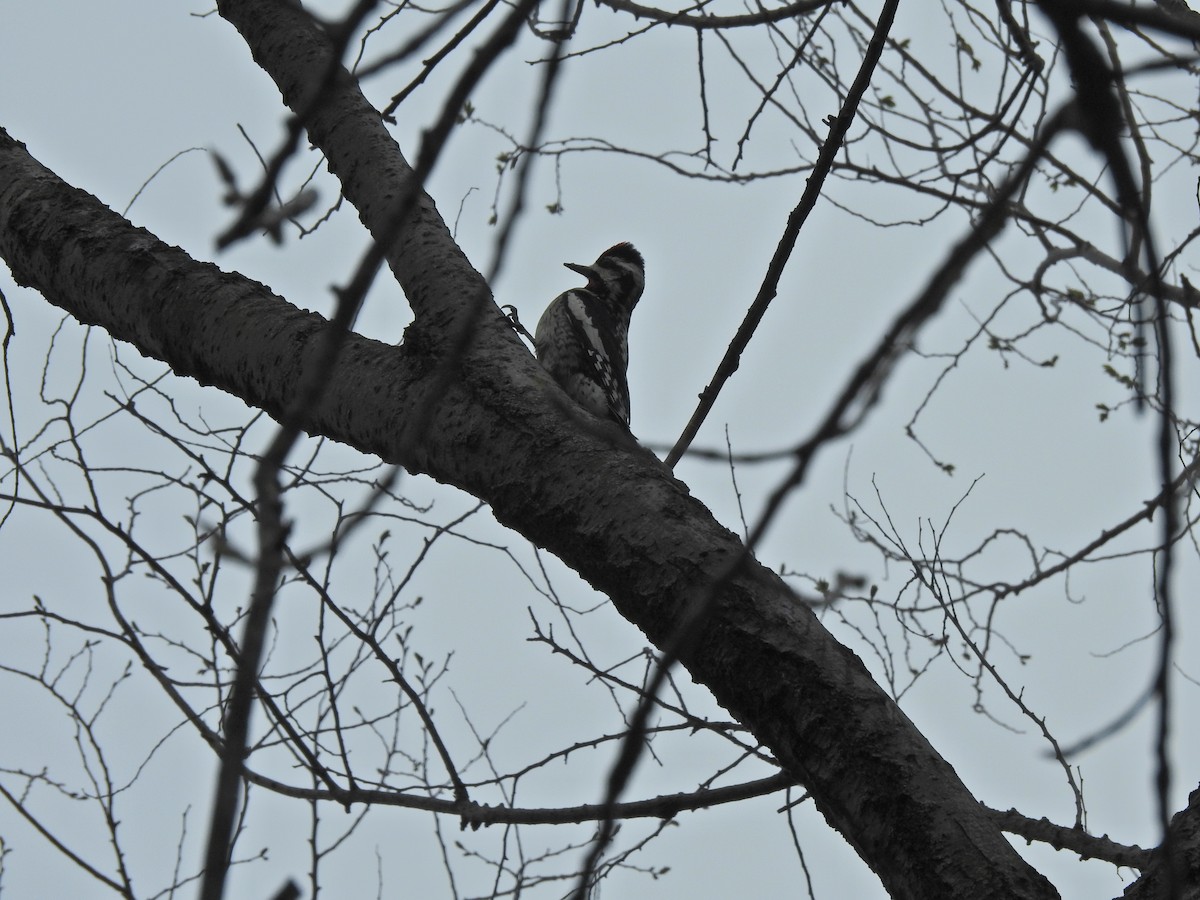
(104, 94)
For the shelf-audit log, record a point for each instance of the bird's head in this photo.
(618, 274)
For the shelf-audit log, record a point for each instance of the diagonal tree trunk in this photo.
(615, 515)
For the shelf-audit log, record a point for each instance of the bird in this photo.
(582, 339)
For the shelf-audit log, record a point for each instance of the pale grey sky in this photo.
(104, 94)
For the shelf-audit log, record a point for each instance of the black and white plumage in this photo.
(582, 339)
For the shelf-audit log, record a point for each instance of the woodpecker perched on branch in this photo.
(582, 339)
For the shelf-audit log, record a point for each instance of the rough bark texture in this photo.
(1182, 882)
(490, 422)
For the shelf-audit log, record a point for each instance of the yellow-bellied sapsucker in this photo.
(582, 339)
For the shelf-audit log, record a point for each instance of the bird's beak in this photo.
(585, 271)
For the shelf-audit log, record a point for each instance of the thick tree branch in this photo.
(615, 515)
(1185, 857)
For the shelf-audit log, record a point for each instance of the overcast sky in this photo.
(104, 94)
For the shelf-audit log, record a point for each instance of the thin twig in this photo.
(787, 242)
